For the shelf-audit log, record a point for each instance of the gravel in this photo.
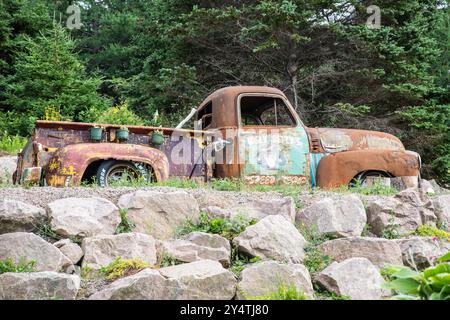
(41, 196)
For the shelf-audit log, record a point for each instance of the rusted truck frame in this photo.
(251, 133)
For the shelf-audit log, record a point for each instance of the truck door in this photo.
(273, 143)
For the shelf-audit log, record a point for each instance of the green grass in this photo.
(123, 267)
(125, 225)
(283, 292)
(226, 227)
(178, 183)
(8, 265)
(12, 144)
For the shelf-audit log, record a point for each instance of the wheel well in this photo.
(91, 171)
(380, 172)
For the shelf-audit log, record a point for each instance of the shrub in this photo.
(228, 227)
(11, 144)
(391, 231)
(120, 115)
(125, 225)
(431, 231)
(8, 265)
(168, 260)
(239, 262)
(431, 284)
(123, 267)
(315, 259)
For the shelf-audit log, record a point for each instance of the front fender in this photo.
(68, 165)
(340, 168)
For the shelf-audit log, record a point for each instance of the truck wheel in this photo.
(122, 173)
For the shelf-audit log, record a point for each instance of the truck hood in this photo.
(338, 140)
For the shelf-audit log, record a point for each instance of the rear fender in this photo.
(68, 165)
(340, 168)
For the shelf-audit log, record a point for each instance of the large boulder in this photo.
(148, 284)
(83, 217)
(202, 280)
(199, 246)
(376, 250)
(101, 250)
(18, 216)
(257, 209)
(273, 237)
(20, 245)
(343, 217)
(442, 210)
(403, 213)
(38, 286)
(159, 214)
(356, 278)
(419, 252)
(266, 277)
(8, 165)
(70, 250)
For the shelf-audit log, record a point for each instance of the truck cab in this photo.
(271, 144)
(247, 132)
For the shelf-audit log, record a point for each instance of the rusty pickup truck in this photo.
(246, 132)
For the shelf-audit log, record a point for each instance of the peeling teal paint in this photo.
(261, 155)
(314, 163)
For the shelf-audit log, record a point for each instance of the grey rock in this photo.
(8, 165)
(265, 278)
(202, 280)
(420, 252)
(20, 245)
(101, 250)
(403, 213)
(18, 216)
(160, 214)
(378, 251)
(273, 237)
(356, 278)
(83, 217)
(38, 286)
(343, 217)
(200, 246)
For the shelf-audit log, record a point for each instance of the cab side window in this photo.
(265, 111)
(204, 117)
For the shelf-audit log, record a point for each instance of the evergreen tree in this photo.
(49, 76)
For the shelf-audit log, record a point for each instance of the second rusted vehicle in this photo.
(251, 133)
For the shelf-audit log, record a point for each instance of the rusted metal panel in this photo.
(31, 176)
(69, 163)
(339, 140)
(340, 168)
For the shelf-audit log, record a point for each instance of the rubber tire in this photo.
(105, 167)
